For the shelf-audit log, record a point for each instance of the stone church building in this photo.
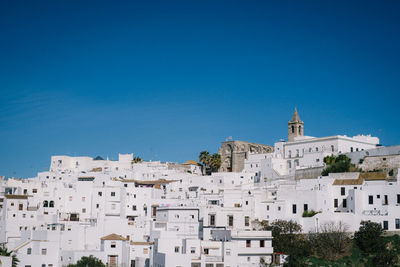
(233, 153)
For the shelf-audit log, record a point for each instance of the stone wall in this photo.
(233, 154)
(388, 164)
(309, 173)
(379, 151)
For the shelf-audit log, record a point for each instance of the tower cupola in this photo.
(295, 126)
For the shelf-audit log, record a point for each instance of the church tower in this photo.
(295, 126)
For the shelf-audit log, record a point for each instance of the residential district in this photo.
(130, 212)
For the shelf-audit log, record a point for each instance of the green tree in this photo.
(205, 160)
(288, 239)
(90, 261)
(137, 160)
(369, 237)
(215, 162)
(332, 241)
(5, 252)
(340, 163)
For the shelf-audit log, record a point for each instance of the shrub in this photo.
(332, 241)
(369, 237)
(340, 163)
(310, 213)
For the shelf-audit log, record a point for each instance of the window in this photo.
(333, 148)
(51, 204)
(228, 252)
(134, 207)
(113, 194)
(335, 203)
(294, 209)
(113, 244)
(398, 199)
(212, 219)
(206, 251)
(193, 250)
(248, 243)
(385, 225)
(176, 249)
(45, 204)
(44, 251)
(370, 200)
(267, 207)
(397, 223)
(29, 251)
(246, 221)
(351, 149)
(97, 206)
(100, 194)
(262, 243)
(230, 220)
(83, 199)
(385, 200)
(20, 206)
(299, 129)
(290, 153)
(342, 191)
(305, 207)
(83, 210)
(34, 190)
(292, 129)
(344, 203)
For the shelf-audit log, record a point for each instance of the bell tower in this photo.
(295, 126)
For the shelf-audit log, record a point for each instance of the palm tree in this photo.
(205, 159)
(137, 160)
(215, 162)
(5, 252)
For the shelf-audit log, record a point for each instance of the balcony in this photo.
(214, 258)
(255, 251)
(375, 212)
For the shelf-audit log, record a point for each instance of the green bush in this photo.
(340, 163)
(369, 237)
(310, 213)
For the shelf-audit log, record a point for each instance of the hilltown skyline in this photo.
(168, 80)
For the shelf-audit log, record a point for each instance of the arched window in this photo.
(45, 203)
(51, 204)
(292, 129)
(300, 129)
(351, 149)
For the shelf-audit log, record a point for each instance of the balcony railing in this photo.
(214, 258)
(375, 212)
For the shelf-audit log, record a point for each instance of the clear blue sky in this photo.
(168, 79)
